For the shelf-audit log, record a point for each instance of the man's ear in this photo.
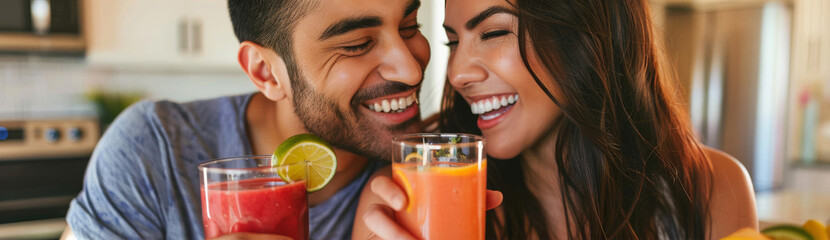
(266, 70)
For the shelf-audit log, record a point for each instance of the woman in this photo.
(572, 95)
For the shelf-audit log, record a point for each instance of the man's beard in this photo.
(350, 130)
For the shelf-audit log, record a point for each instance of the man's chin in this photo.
(380, 137)
(413, 125)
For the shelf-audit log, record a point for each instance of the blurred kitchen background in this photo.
(756, 74)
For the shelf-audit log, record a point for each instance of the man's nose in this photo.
(464, 69)
(399, 64)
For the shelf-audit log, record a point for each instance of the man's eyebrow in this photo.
(347, 25)
(473, 22)
(413, 5)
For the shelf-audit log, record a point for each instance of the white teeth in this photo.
(394, 105)
(487, 105)
(496, 103)
(385, 104)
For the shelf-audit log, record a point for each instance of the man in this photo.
(330, 67)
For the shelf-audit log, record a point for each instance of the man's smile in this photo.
(394, 108)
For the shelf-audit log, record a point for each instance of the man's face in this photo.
(361, 63)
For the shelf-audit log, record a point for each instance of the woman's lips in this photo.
(491, 103)
(493, 118)
(492, 110)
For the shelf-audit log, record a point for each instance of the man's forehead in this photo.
(330, 12)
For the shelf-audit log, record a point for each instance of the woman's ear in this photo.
(266, 70)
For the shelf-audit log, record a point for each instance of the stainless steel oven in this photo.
(42, 164)
(53, 26)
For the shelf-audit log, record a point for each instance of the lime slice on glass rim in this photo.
(311, 149)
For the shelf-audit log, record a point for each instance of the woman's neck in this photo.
(541, 175)
(541, 172)
(539, 158)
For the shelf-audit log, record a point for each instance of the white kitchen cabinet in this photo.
(189, 35)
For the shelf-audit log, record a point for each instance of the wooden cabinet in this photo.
(160, 34)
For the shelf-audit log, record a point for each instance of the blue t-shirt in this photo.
(142, 181)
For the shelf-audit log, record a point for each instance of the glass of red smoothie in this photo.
(247, 194)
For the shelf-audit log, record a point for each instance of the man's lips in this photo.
(396, 117)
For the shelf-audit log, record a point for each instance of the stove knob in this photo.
(4, 133)
(74, 134)
(51, 135)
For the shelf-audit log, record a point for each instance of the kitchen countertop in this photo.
(792, 207)
(41, 229)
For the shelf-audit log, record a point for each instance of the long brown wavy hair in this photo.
(628, 162)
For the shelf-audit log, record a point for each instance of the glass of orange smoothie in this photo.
(248, 194)
(445, 178)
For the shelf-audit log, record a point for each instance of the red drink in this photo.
(260, 205)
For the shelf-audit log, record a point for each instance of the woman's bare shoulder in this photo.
(732, 204)
(728, 174)
(723, 163)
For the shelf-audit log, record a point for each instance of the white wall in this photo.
(431, 17)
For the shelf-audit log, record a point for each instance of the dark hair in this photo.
(270, 23)
(628, 162)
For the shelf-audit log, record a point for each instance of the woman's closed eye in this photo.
(484, 36)
(493, 34)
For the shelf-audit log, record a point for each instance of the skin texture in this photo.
(339, 75)
(484, 61)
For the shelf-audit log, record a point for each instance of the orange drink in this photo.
(445, 179)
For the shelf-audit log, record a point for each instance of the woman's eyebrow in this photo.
(473, 22)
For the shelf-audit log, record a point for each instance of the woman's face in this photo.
(485, 67)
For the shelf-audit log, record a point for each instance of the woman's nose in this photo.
(464, 69)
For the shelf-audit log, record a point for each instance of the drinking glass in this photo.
(445, 178)
(248, 194)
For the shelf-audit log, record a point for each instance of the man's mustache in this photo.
(379, 90)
